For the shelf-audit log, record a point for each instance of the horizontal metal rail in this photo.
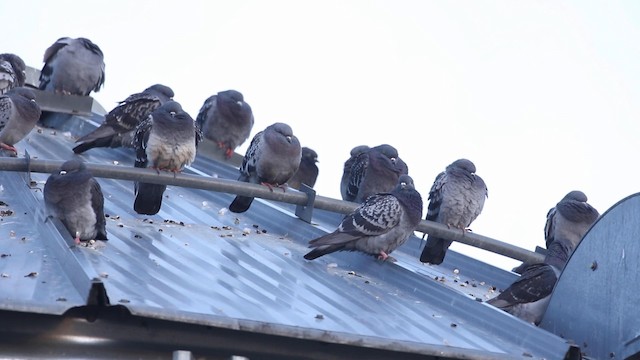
(259, 191)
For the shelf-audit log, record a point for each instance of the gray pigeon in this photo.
(226, 119)
(374, 171)
(378, 226)
(271, 159)
(12, 72)
(72, 67)
(346, 172)
(568, 220)
(307, 172)
(74, 196)
(167, 140)
(455, 199)
(119, 126)
(19, 113)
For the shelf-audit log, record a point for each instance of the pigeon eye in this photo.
(63, 172)
(173, 113)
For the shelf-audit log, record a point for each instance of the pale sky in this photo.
(542, 96)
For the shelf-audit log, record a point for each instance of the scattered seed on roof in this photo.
(32, 274)
(61, 299)
(6, 212)
(4, 255)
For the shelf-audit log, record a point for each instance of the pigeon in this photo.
(19, 113)
(528, 297)
(374, 171)
(74, 196)
(119, 126)
(566, 225)
(455, 199)
(569, 219)
(12, 72)
(226, 119)
(167, 140)
(307, 172)
(346, 172)
(378, 226)
(72, 67)
(271, 160)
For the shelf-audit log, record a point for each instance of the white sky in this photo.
(542, 96)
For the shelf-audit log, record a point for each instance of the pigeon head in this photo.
(388, 151)
(359, 150)
(309, 155)
(234, 95)
(575, 196)
(71, 166)
(406, 182)
(284, 130)
(463, 164)
(171, 107)
(231, 103)
(164, 92)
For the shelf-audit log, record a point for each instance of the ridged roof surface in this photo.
(197, 262)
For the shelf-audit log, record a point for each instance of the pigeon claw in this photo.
(383, 256)
(10, 148)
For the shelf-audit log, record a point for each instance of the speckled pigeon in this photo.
(74, 196)
(455, 199)
(72, 67)
(271, 159)
(12, 72)
(19, 113)
(346, 172)
(528, 297)
(226, 119)
(167, 140)
(307, 172)
(374, 171)
(119, 126)
(378, 226)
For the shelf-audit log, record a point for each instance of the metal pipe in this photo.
(259, 191)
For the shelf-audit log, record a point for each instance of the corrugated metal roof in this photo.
(195, 262)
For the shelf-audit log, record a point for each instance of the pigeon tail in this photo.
(148, 198)
(434, 251)
(322, 250)
(240, 204)
(99, 142)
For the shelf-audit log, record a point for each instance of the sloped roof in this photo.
(197, 264)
